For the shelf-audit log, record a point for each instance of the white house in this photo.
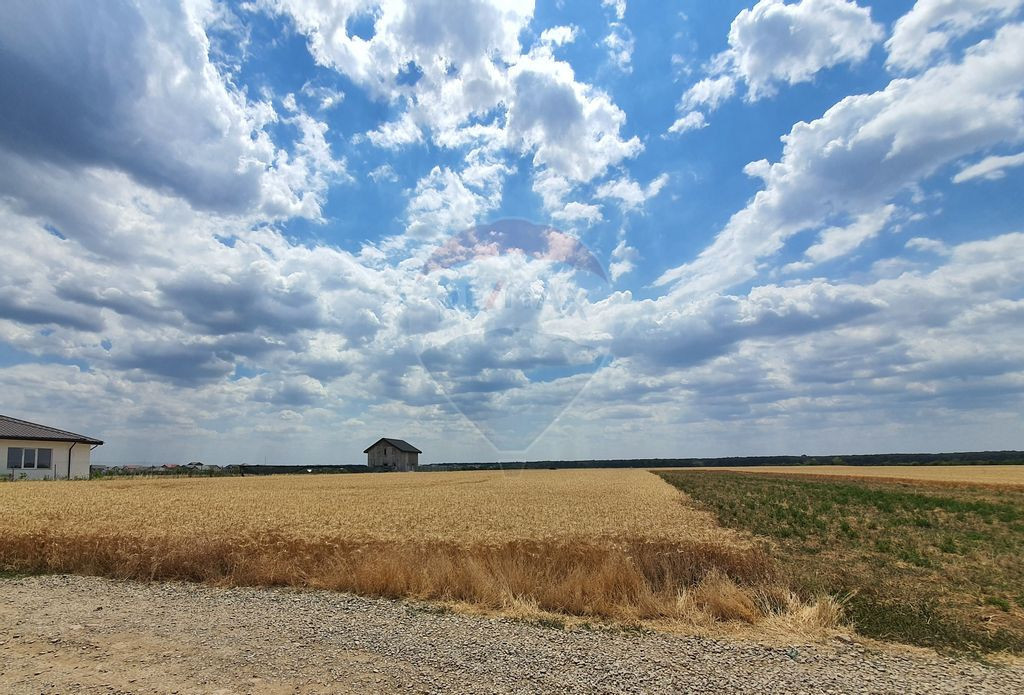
(28, 450)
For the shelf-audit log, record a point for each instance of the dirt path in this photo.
(86, 635)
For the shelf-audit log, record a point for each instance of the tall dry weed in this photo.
(624, 579)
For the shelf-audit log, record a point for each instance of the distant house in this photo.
(30, 450)
(388, 454)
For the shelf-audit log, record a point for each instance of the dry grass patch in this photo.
(615, 544)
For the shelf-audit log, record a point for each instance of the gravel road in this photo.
(62, 634)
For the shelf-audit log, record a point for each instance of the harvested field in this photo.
(604, 543)
(977, 475)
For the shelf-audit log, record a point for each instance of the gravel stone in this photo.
(61, 634)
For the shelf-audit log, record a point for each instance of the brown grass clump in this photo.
(719, 596)
(601, 544)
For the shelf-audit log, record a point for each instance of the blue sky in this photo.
(279, 229)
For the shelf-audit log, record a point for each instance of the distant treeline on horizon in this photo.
(968, 458)
(965, 458)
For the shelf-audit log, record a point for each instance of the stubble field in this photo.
(619, 544)
(1002, 476)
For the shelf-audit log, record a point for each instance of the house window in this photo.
(18, 457)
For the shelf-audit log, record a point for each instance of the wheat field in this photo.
(461, 507)
(998, 475)
(619, 544)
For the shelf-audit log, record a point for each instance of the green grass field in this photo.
(937, 566)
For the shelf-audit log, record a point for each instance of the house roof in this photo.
(13, 428)
(399, 444)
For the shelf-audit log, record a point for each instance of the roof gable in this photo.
(13, 428)
(399, 444)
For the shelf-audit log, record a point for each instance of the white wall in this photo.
(80, 457)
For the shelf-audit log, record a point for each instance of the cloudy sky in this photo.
(279, 229)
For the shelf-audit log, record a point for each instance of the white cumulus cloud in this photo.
(692, 120)
(867, 149)
(931, 25)
(776, 43)
(991, 168)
